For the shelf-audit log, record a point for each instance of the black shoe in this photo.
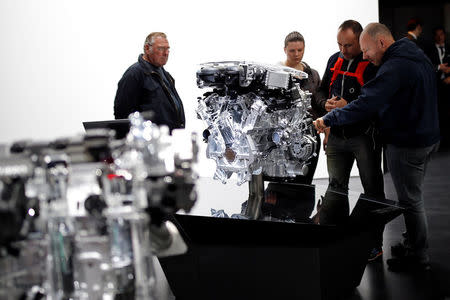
(408, 263)
(375, 254)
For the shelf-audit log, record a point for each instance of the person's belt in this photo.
(349, 132)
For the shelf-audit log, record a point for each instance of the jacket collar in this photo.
(397, 46)
(412, 34)
(147, 66)
(357, 58)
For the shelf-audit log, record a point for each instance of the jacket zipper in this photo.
(343, 77)
(342, 88)
(168, 94)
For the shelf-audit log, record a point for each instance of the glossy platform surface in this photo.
(305, 237)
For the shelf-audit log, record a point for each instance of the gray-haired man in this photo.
(146, 86)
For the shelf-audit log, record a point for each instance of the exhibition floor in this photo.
(379, 283)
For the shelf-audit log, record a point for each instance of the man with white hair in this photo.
(146, 86)
(403, 96)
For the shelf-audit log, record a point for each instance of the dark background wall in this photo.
(396, 13)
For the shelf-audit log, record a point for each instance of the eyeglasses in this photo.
(158, 49)
(162, 49)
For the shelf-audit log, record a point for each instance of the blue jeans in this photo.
(408, 167)
(341, 154)
(366, 150)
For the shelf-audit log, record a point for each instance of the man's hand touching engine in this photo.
(320, 125)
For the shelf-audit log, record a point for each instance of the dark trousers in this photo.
(408, 167)
(341, 154)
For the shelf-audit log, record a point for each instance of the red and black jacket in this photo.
(344, 78)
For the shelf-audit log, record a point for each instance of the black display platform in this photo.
(249, 259)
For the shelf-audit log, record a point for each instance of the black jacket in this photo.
(312, 85)
(418, 41)
(403, 95)
(142, 88)
(432, 52)
(346, 87)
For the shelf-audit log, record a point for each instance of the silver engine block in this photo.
(257, 118)
(82, 217)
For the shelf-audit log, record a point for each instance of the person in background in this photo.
(147, 86)
(403, 95)
(414, 28)
(439, 54)
(294, 48)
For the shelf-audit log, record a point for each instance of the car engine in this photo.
(257, 120)
(81, 217)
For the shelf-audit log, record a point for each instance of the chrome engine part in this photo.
(257, 120)
(86, 214)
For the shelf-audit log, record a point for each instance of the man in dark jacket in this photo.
(414, 28)
(403, 95)
(439, 54)
(146, 86)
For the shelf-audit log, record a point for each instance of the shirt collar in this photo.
(413, 35)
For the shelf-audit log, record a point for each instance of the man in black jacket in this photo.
(346, 73)
(439, 54)
(403, 95)
(414, 28)
(146, 86)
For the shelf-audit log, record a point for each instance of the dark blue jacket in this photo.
(403, 95)
(142, 88)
